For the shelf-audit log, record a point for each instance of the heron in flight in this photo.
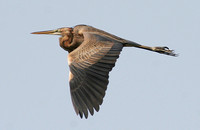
(92, 55)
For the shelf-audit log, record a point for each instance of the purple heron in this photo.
(92, 55)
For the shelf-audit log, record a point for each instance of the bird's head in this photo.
(67, 41)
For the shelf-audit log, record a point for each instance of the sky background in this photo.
(147, 91)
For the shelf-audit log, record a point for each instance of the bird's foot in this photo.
(164, 50)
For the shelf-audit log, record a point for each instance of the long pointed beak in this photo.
(51, 32)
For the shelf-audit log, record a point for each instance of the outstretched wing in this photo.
(90, 65)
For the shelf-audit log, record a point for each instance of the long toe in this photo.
(165, 50)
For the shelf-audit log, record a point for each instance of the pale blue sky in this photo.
(147, 91)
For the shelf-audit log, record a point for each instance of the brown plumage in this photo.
(92, 55)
